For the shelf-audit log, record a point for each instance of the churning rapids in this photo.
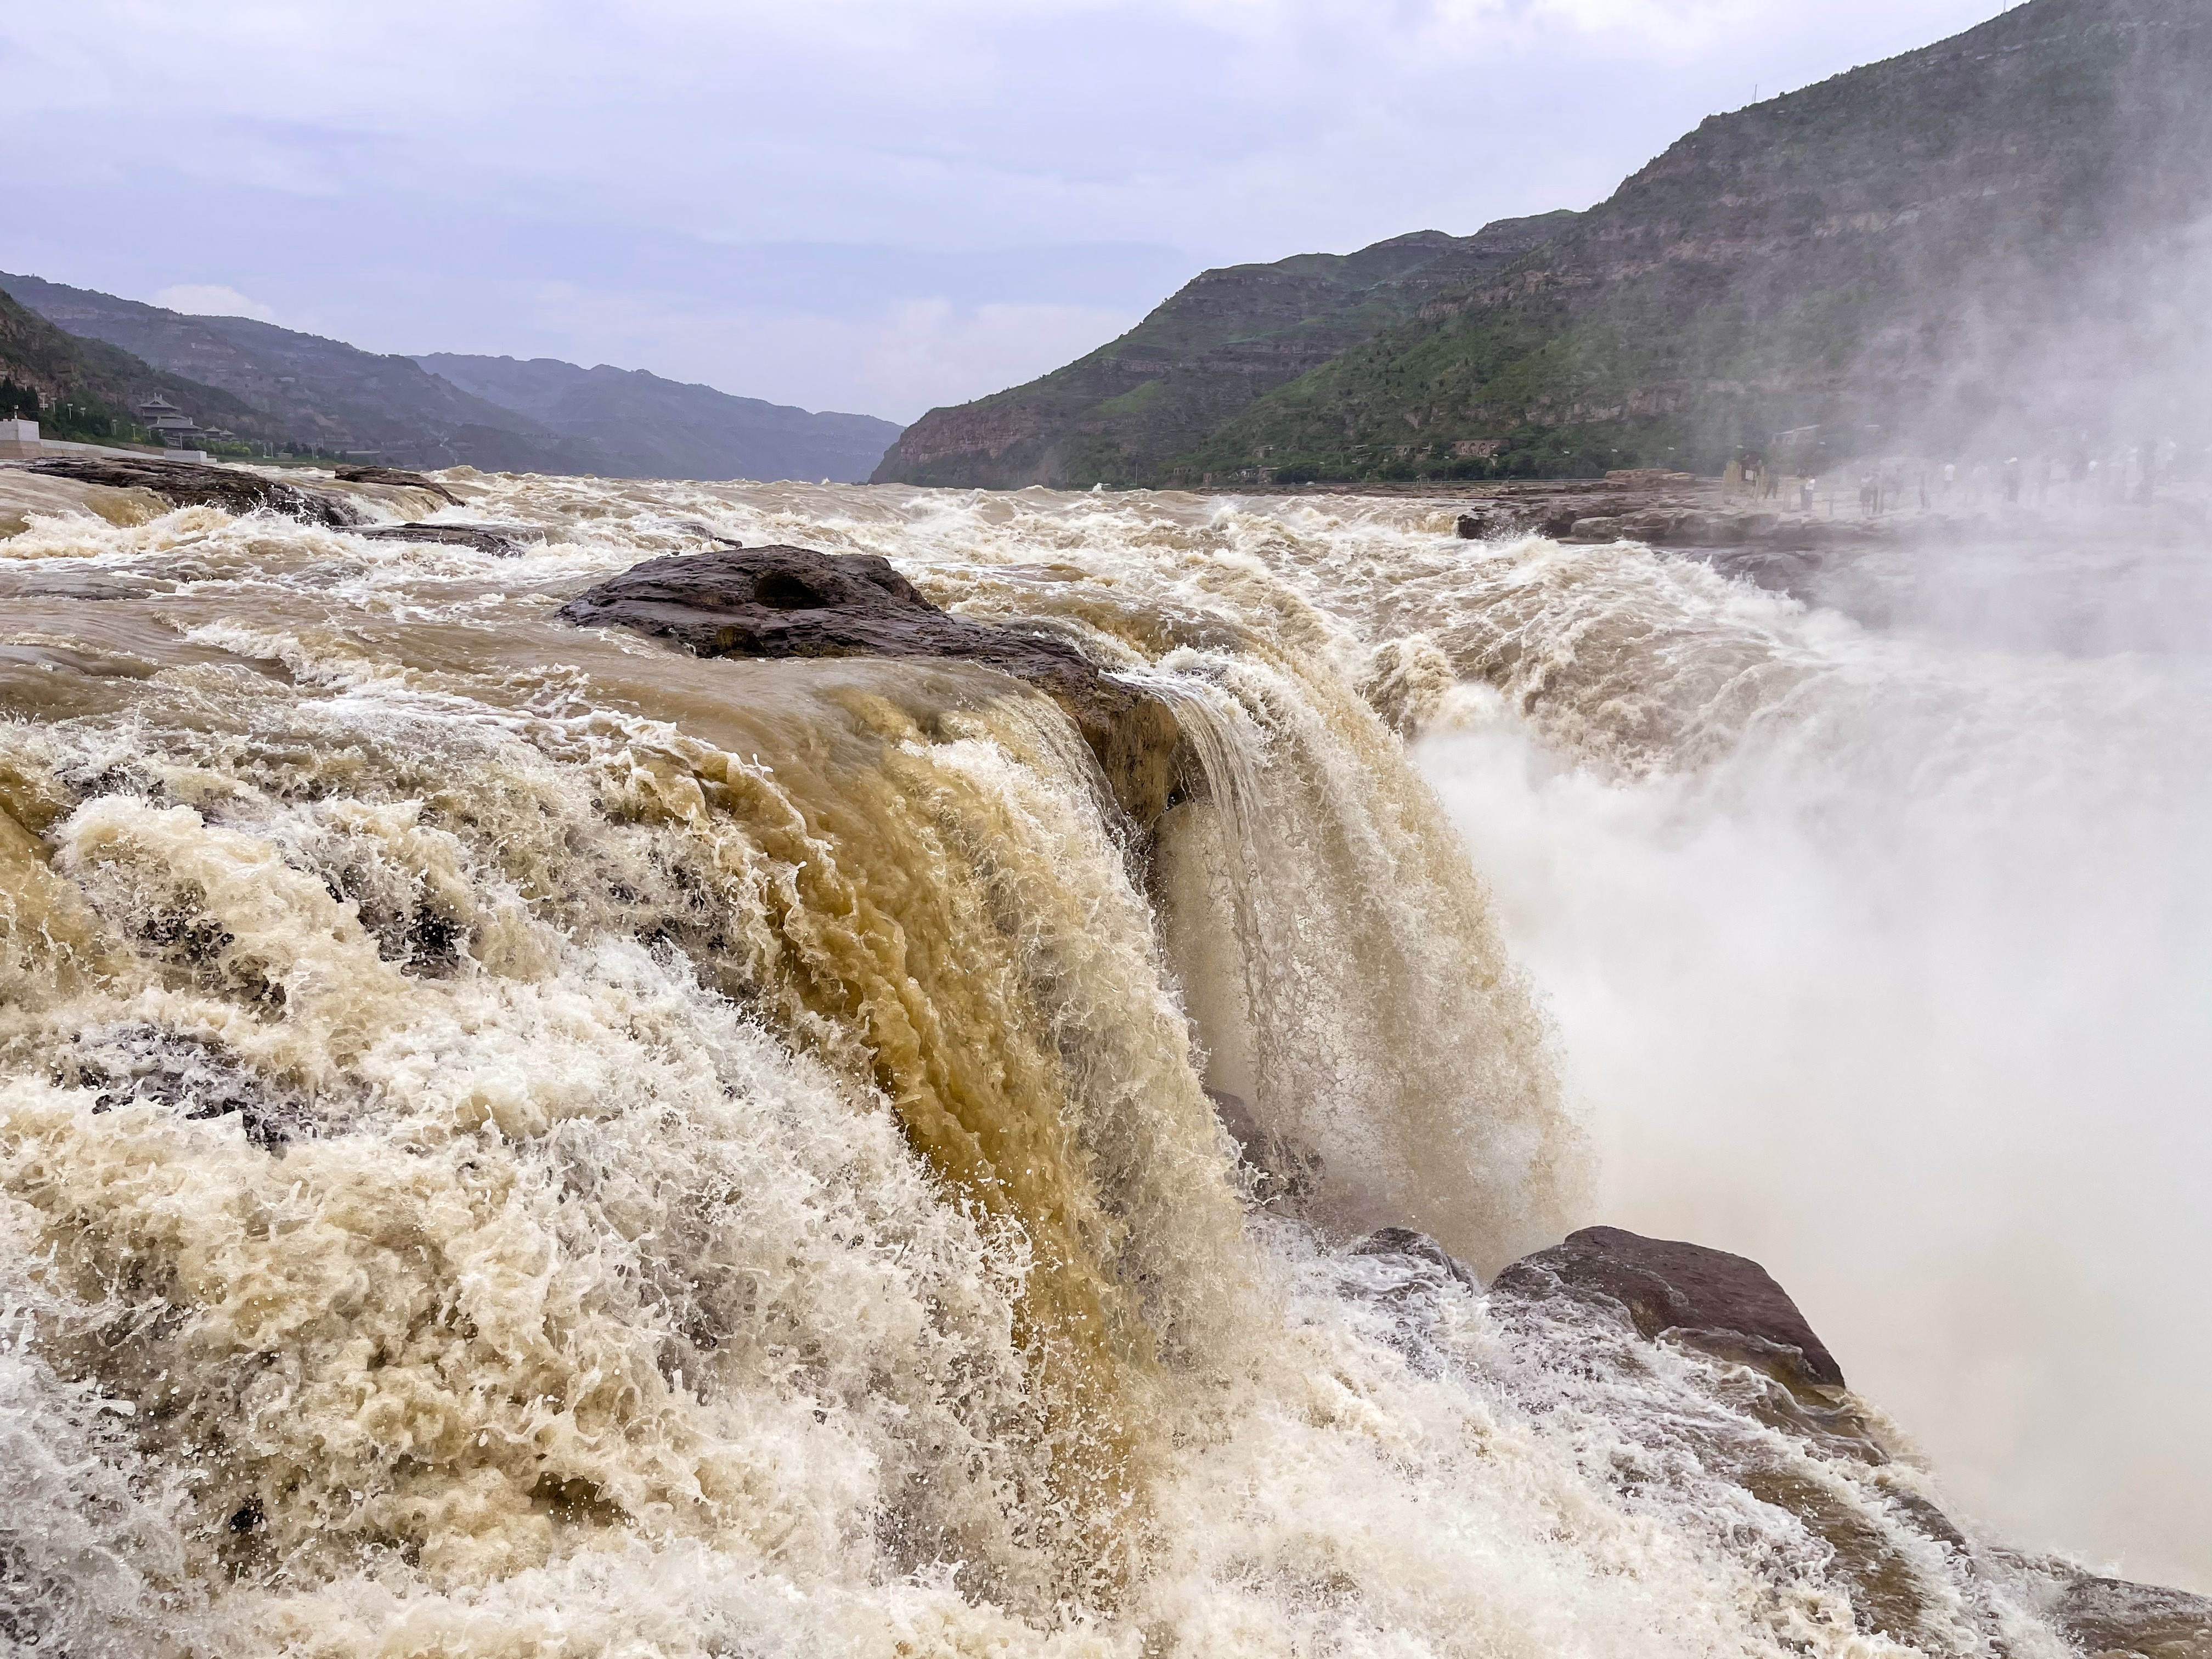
(518, 1140)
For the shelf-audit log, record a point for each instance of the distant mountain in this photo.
(1119, 416)
(319, 392)
(87, 388)
(644, 427)
(495, 413)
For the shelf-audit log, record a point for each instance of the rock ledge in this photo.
(797, 602)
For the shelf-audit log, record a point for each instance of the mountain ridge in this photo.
(1990, 244)
(651, 426)
(321, 392)
(1986, 244)
(285, 387)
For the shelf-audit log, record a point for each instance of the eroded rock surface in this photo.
(187, 483)
(2111, 1617)
(1419, 1247)
(797, 602)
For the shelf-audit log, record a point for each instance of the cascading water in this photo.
(515, 1141)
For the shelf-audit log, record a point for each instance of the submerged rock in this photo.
(1284, 1170)
(188, 484)
(392, 475)
(131, 1062)
(796, 602)
(1405, 1242)
(1726, 1304)
(500, 541)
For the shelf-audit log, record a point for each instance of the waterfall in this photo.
(515, 1139)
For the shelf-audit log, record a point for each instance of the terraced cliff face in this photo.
(1995, 242)
(1121, 415)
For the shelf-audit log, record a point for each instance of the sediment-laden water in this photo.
(515, 1141)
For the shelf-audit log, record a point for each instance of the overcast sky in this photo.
(875, 205)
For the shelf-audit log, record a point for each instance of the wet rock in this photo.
(2111, 1617)
(1419, 1247)
(1788, 1434)
(500, 541)
(1480, 525)
(714, 535)
(796, 602)
(392, 475)
(187, 483)
(131, 1062)
(1284, 1170)
(1726, 1304)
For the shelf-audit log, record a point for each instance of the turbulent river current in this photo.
(518, 1140)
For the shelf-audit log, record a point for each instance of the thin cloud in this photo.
(1225, 131)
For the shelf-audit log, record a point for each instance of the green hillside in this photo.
(1990, 243)
(1120, 415)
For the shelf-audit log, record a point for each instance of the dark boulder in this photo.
(502, 541)
(796, 602)
(187, 483)
(392, 475)
(1726, 1304)
(2110, 1616)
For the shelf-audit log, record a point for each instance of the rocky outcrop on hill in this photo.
(1224, 339)
(796, 602)
(187, 483)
